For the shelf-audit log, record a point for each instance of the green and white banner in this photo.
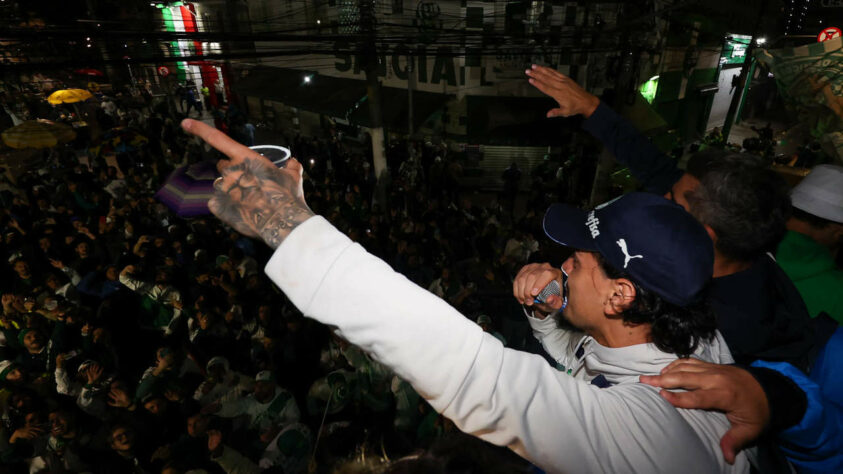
(810, 80)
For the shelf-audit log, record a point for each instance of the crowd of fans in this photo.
(137, 341)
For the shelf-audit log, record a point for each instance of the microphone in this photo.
(553, 288)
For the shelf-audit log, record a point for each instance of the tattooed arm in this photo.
(253, 195)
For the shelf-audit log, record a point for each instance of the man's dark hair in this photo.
(673, 329)
(743, 201)
(163, 275)
(204, 307)
(60, 277)
(699, 163)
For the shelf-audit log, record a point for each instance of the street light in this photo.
(760, 41)
(307, 79)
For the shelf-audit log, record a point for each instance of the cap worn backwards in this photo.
(662, 247)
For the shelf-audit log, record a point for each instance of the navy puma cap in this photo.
(662, 247)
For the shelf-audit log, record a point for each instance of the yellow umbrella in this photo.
(69, 96)
(37, 134)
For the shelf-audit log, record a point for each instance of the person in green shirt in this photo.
(206, 96)
(814, 235)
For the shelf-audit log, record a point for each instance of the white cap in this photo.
(821, 193)
(5, 368)
(264, 376)
(218, 360)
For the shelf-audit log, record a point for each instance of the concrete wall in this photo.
(722, 98)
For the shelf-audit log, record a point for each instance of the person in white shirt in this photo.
(222, 384)
(108, 106)
(161, 300)
(560, 422)
(268, 407)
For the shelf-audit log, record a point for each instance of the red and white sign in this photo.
(163, 71)
(828, 34)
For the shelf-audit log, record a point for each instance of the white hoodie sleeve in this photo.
(506, 397)
(560, 344)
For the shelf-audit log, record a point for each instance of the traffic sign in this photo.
(829, 34)
(163, 71)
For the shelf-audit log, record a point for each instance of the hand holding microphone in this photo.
(552, 289)
(538, 286)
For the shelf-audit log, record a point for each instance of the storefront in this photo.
(181, 17)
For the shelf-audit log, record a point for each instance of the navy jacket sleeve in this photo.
(788, 402)
(653, 169)
(86, 284)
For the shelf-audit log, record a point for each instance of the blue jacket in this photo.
(815, 444)
(94, 285)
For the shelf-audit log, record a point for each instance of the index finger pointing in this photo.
(222, 142)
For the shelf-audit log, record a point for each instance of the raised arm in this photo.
(653, 169)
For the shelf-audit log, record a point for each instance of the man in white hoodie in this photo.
(511, 398)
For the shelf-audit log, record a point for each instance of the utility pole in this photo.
(411, 86)
(369, 55)
(743, 77)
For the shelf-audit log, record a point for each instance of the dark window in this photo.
(565, 56)
(472, 57)
(516, 13)
(571, 16)
(474, 17)
(555, 35)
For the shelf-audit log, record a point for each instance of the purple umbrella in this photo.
(188, 189)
